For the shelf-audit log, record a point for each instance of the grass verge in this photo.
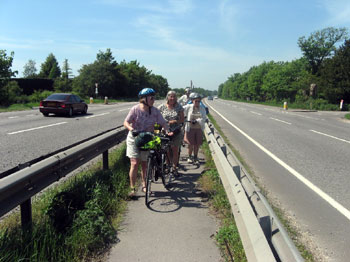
(347, 116)
(74, 221)
(292, 231)
(227, 237)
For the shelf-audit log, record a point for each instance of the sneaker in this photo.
(196, 160)
(189, 160)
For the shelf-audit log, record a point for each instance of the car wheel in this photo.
(45, 114)
(70, 113)
(85, 110)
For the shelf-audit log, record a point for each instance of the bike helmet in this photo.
(187, 90)
(194, 96)
(146, 92)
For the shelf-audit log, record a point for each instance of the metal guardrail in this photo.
(18, 188)
(262, 234)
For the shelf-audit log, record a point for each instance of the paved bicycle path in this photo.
(176, 227)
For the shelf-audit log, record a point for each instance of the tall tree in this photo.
(66, 70)
(5, 74)
(320, 45)
(50, 68)
(29, 69)
(106, 57)
(335, 75)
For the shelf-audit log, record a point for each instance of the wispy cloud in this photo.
(229, 15)
(12, 43)
(164, 7)
(339, 11)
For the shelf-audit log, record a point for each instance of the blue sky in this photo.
(205, 41)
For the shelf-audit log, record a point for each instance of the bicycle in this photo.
(158, 164)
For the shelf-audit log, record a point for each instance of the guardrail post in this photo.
(105, 160)
(223, 149)
(26, 215)
(237, 171)
(266, 225)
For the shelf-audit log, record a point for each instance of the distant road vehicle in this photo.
(210, 98)
(63, 104)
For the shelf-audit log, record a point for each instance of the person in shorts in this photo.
(173, 113)
(141, 118)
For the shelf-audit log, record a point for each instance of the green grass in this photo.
(74, 221)
(18, 107)
(347, 116)
(292, 231)
(28, 106)
(227, 237)
(311, 104)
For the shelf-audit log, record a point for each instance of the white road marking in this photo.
(35, 128)
(121, 110)
(280, 121)
(256, 113)
(341, 209)
(97, 115)
(12, 117)
(340, 139)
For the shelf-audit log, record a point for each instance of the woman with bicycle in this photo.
(141, 118)
(195, 121)
(173, 113)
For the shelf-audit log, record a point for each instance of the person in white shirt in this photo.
(183, 100)
(195, 121)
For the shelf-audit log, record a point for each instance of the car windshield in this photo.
(57, 97)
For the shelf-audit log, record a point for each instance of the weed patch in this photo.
(227, 237)
(73, 221)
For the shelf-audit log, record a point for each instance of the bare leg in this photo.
(195, 150)
(143, 172)
(175, 150)
(190, 150)
(134, 163)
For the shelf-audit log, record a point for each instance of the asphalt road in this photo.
(302, 159)
(26, 135)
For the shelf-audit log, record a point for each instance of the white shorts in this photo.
(132, 151)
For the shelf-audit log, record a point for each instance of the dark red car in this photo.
(63, 104)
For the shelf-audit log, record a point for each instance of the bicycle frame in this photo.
(157, 166)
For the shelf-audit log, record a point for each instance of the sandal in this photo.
(175, 173)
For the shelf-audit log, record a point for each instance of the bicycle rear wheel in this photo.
(165, 170)
(149, 178)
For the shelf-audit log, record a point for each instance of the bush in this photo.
(37, 96)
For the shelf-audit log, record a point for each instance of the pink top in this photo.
(143, 121)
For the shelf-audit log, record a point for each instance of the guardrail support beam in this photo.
(105, 160)
(26, 215)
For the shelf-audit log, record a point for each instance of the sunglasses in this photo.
(196, 101)
(151, 97)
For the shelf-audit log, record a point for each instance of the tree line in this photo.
(321, 75)
(113, 79)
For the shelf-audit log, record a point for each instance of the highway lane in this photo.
(26, 135)
(302, 160)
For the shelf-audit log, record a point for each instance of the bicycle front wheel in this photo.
(165, 171)
(149, 178)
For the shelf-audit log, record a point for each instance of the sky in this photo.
(203, 41)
